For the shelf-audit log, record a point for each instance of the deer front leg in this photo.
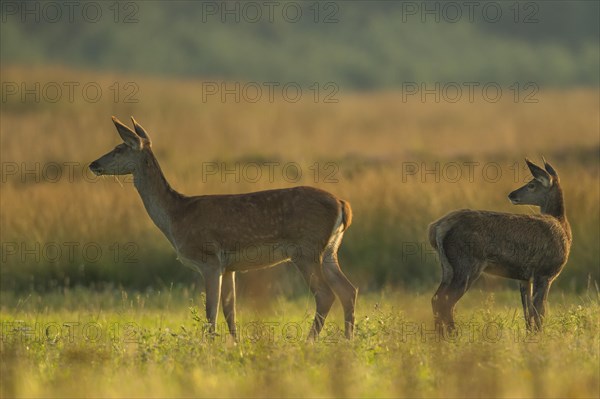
(541, 286)
(212, 282)
(228, 300)
(528, 312)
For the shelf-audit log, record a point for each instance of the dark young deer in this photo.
(529, 248)
(214, 234)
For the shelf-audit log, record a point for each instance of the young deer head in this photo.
(127, 157)
(542, 189)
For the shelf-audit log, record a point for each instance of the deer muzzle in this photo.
(96, 168)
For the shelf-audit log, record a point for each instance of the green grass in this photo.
(118, 344)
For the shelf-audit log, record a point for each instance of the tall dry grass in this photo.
(369, 138)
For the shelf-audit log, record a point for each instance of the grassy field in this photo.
(114, 344)
(77, 249)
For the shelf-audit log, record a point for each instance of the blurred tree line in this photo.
(357, 44)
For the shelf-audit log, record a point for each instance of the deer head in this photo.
(125, 158)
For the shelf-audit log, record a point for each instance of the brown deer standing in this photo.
(529, 248)
(214, 234)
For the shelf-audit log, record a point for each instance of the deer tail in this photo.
(346, 214)
(437, 233)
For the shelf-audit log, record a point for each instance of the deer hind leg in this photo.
(438, 299)
(541, 286)
(324, 296)
(228, 301)
(466, 272)
(437, 304)
(342, 287)
(526, 301)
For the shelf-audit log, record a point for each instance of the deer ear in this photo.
(539, 174)
(128, 135)
(141, 132)
(550, 169)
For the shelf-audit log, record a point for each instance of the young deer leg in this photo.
(324, 296)
(212, 282)
(439, 298)
(228, 301)
(528, 311)
(541, 286)
(437, 304)
(464, 275)
(342, 287)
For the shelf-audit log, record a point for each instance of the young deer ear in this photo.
(128, 135)
(141, 132)
(550, 169)
(539, 174)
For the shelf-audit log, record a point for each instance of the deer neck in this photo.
(159, 199)
(555, 206)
